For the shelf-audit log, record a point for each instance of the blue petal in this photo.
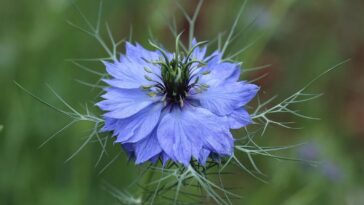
(129, 149)
(154, 159)
(141, 55)
(220, 73)
(239, 118)
(126, 74)
(136, 127)
(224, 99)
(175, 137)
(123, 103)
(199, 52)
(182, 133)
(130, 72)
(204, 155)
(165, 158)
(147, 149)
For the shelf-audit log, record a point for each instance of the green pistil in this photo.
(176, 76)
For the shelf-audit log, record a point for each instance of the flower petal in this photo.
(223, 100)
(129, 149)
(126, 74)
(139, 54)
(136, 127)
(204, 155)
(165, 158)
(147, 149)
(199, 52)
(239, 118)
(173, 137)
(220, 73)
(123, 103)
(129, 72)
(182, 133)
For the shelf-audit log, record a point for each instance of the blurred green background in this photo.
(300, 39)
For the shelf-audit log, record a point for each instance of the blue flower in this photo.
(179, 107)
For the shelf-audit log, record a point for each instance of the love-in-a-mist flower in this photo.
(175, 106)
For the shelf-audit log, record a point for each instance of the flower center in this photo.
(177, 77)
(176, 80)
